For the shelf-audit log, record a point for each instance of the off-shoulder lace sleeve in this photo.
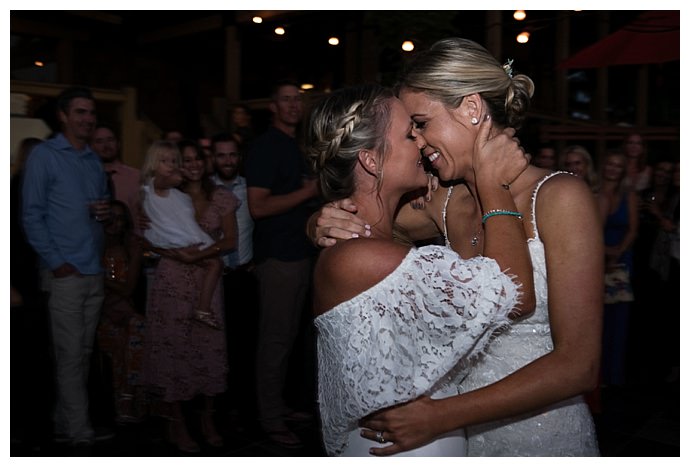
(408, 335)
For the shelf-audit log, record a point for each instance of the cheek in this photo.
(457, 145)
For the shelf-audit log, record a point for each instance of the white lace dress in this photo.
(414, 333)
(563, 429)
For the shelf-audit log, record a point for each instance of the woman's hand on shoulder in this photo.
(335, 221)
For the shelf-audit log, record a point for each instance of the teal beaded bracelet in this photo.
(500, 212)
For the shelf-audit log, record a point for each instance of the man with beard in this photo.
(279, 192)
(239, 283)
(227, 162)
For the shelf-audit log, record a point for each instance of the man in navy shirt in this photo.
(279, 193)
(64, 196)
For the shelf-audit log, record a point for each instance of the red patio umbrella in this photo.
(654, 37)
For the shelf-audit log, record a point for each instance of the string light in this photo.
(408, 46)
(279, 30)
(258, 19)
(523, 37)
(38, 63)
(519, 15)
(334, 41)
(307, 86)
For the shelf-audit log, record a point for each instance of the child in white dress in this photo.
(172, 218)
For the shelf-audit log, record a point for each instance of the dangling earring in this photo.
(474, 120)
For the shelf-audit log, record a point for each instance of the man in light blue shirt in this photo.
(65, 201)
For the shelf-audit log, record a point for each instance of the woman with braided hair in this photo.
(523, 397)
(396, 322)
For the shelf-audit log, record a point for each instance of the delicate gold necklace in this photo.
(475, 238)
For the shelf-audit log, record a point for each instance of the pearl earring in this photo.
(474, 120)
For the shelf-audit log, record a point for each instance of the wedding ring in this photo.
(379, 437)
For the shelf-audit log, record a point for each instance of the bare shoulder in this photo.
(566, 206)
(349, 268)
(370, 258)
(563, 190)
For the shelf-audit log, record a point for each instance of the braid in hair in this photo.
(344, 128)
(343, 124)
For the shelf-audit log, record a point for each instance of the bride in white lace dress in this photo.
(524, 396)
(396, 322)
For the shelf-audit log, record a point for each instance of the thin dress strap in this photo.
(534, 199)
(445, 207)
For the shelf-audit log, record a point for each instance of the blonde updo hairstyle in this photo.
(343, 124)
(454, 68)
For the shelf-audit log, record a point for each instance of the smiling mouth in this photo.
(433, 156)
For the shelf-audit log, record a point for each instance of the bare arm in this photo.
(571, 231)
(497, 162)
(192, 254)
(338, 220)
(263, 204)
(219, 248)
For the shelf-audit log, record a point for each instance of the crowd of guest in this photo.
(638, 197)
(107, 262)
(88, 285)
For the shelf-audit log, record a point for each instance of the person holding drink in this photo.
(64, 209)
